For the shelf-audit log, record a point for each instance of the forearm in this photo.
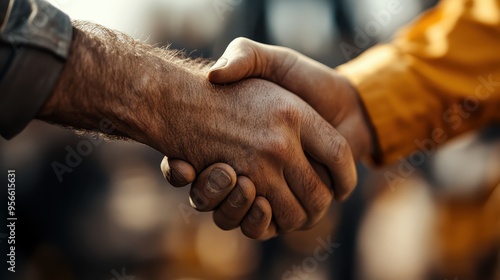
(110, 76)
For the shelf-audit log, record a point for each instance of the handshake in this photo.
(271, 137)
(267, 141)
(267, 161)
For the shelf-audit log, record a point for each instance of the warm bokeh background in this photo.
(115, 217)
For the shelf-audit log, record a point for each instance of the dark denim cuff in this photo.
(35, 41)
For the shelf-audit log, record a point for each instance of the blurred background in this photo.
(112, 216)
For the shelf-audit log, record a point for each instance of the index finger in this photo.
(327, 146)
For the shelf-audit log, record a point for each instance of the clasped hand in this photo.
(301, 162)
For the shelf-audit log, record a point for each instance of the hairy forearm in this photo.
(111, 76)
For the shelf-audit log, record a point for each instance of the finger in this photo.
(258, 223)
(233, 209)
(270, 232)
(329, 147)
(288, 212)
(244, 58)
(177, 172)
(238, 61)
(322, 172)
(314, 196)
(212, 186)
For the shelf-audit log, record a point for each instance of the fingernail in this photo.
(237, 198)
(197, 200)
(177, 177)
(255, 216)
(218, 181)
(219, 64)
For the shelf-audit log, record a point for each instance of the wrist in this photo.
(356, 125)
(368, 134)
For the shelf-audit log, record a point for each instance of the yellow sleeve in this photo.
(438, 78)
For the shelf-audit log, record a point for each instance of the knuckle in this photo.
(241, 40)
(289, 112)
(278, 147)
(242, 44)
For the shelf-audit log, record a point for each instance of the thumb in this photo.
(177, 172)
(242, 58)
